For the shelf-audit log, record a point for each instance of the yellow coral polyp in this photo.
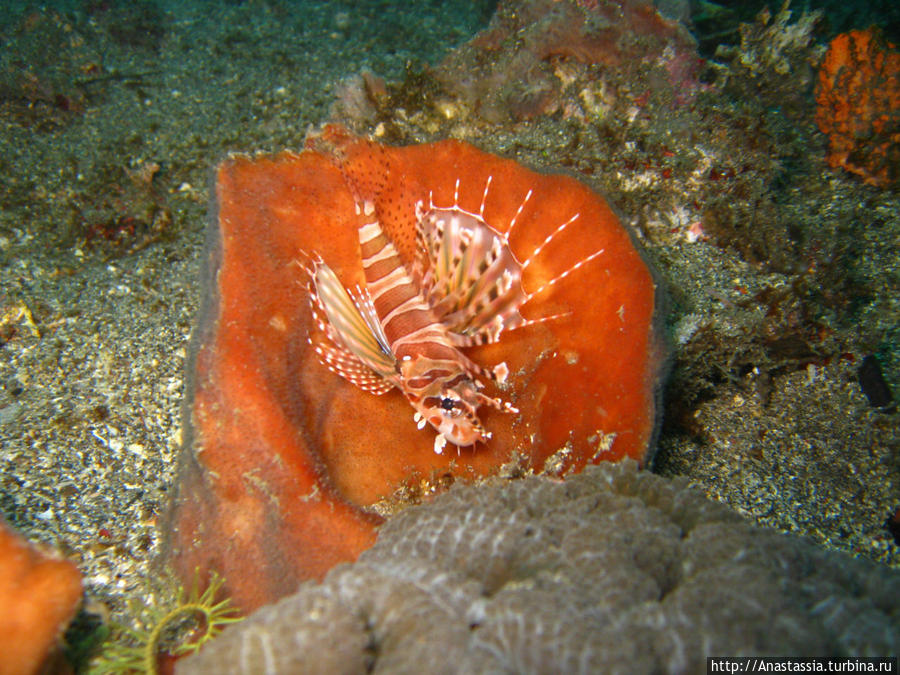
(138, 650)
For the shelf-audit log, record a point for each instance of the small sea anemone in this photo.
(169, 628)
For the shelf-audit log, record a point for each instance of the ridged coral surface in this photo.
(610, 571)
(858, 98)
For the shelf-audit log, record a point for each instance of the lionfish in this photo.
(407, 327)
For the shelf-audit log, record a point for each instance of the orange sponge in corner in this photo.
(39, 595)
(858, 105)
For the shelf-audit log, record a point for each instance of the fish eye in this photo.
(447, 403)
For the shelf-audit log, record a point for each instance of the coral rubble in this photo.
(512, 69)
(775, 61)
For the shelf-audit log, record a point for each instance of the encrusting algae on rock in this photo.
(287, 463)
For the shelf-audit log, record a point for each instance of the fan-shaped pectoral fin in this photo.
(347, 365)
(360, 352)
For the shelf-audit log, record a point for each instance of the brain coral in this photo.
(610, 571)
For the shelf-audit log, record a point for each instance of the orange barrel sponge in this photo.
(858, 105)
(39, 594)
(348, 279)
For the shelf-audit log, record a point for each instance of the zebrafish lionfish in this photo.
(407, 327)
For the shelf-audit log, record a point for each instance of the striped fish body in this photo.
(389, 335)
(434, 375)
(406, 328)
